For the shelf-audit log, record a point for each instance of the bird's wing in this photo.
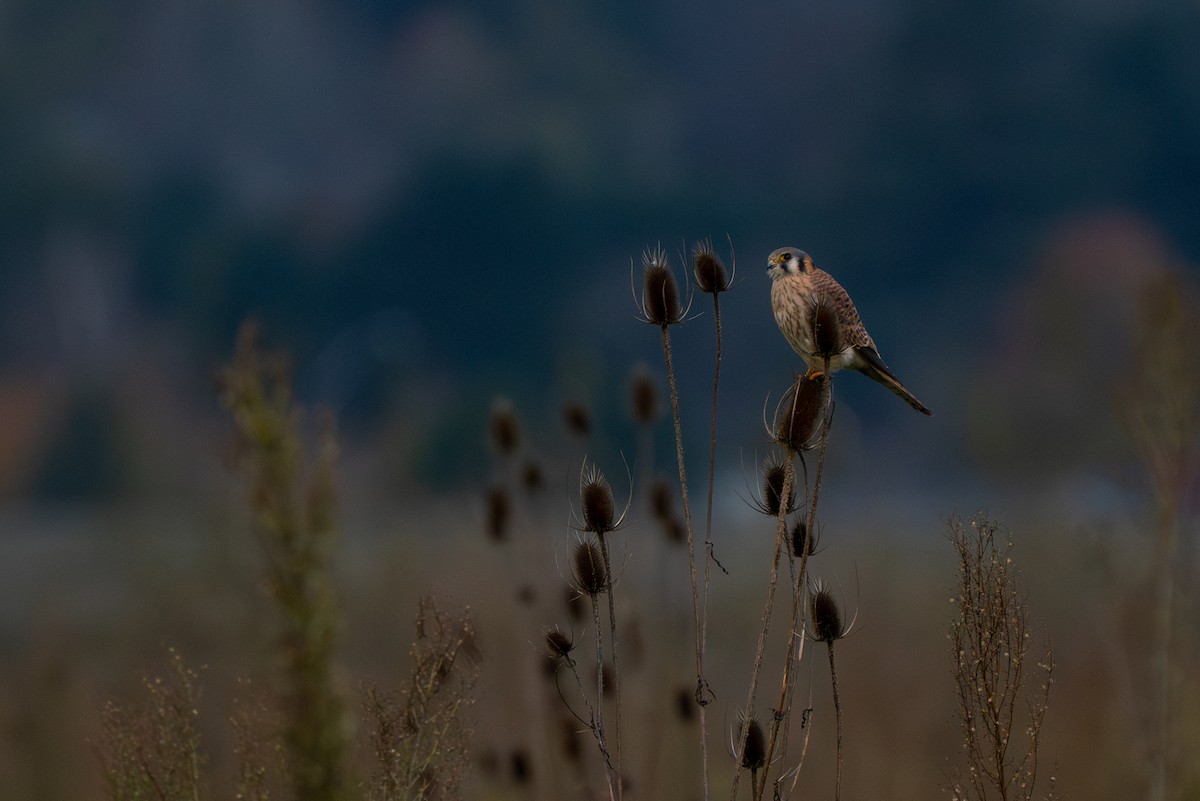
(828, 290)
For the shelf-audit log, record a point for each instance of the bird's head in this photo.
(788, 261)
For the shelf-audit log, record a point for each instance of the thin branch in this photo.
(701, 687)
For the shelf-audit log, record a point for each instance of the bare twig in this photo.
(990, 641)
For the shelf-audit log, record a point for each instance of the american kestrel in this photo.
(820, 322)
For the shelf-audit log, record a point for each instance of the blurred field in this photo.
(83, 622)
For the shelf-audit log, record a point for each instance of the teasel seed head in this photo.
(596, 504)
(505, 427)
(660, 293)
(559, 643)
(499, 514)
(590, 575)
(802, 412)
(827, 336)
(710, 272)
(773, 475)
(754, 755)
(825, 614)
(643, 395)
(577, 419)
(799, 539)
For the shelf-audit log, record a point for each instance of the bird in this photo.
(818, 319)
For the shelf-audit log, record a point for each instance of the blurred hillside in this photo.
(442, 199)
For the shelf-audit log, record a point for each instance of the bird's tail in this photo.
(873, 366)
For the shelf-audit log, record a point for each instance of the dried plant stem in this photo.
(799, 590)
(703, 696)
(591, 719)
(614, 781)
(804, 724)
(837, 713)
(712, 466)
(789, 478)
(701, 686)
(612, 627)
(781, 707)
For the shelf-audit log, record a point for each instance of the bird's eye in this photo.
(787, 257)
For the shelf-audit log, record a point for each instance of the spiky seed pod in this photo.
(827, 336)
(799, 539)
(559, 643)
(826, 616)
(643, 395)
(505, 427)
(596, 503)
(499, 514)
(773, 477)
(754, 756)
(590, 574)
(802, 411)
(708, 268)
(577, 419)
(660, 293)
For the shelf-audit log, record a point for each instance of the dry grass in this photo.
(1002, 687)
(152, 750)
(421, 737)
